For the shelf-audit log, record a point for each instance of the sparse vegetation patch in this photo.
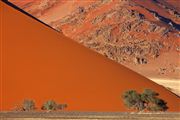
(51, 105)
(146, 101)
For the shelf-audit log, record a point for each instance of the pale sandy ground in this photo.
(129, 118)
(88, 116)
(173, 84)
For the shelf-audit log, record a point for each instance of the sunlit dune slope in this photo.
(139, 34)
(41, 64)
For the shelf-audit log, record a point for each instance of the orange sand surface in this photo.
(41, 64)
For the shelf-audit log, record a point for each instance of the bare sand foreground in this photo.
(87, 116)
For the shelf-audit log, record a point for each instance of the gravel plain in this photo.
(87, 116)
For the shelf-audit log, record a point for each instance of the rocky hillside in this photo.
(142, 35)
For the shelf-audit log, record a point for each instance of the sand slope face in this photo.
(41, 64)
(142, 35)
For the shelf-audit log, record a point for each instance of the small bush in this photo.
(27, 105)
(153, 103)
(51, 105)
(62, 106)
(133, 100)
(18, 107)
(157, 105)
(148, 100)
(149, 96)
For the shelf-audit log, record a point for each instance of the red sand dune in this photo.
(87, 22)
(41, 64)
(130, 32)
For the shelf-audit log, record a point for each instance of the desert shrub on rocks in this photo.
(148, 100)
(51, 105)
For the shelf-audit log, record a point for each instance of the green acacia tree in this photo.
(132, 99)
(148, 100)
(153, 103)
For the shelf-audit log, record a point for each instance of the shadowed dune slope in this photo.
(41, 64)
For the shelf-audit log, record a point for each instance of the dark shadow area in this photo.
(166, 20)
(163, 19)
(24, 12)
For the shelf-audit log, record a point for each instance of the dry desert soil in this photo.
(87, 116)
(40, 63)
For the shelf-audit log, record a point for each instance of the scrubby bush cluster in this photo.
(148, 100)
(29, 105)
(52, 105)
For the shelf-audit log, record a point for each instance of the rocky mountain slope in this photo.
(142, 35)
